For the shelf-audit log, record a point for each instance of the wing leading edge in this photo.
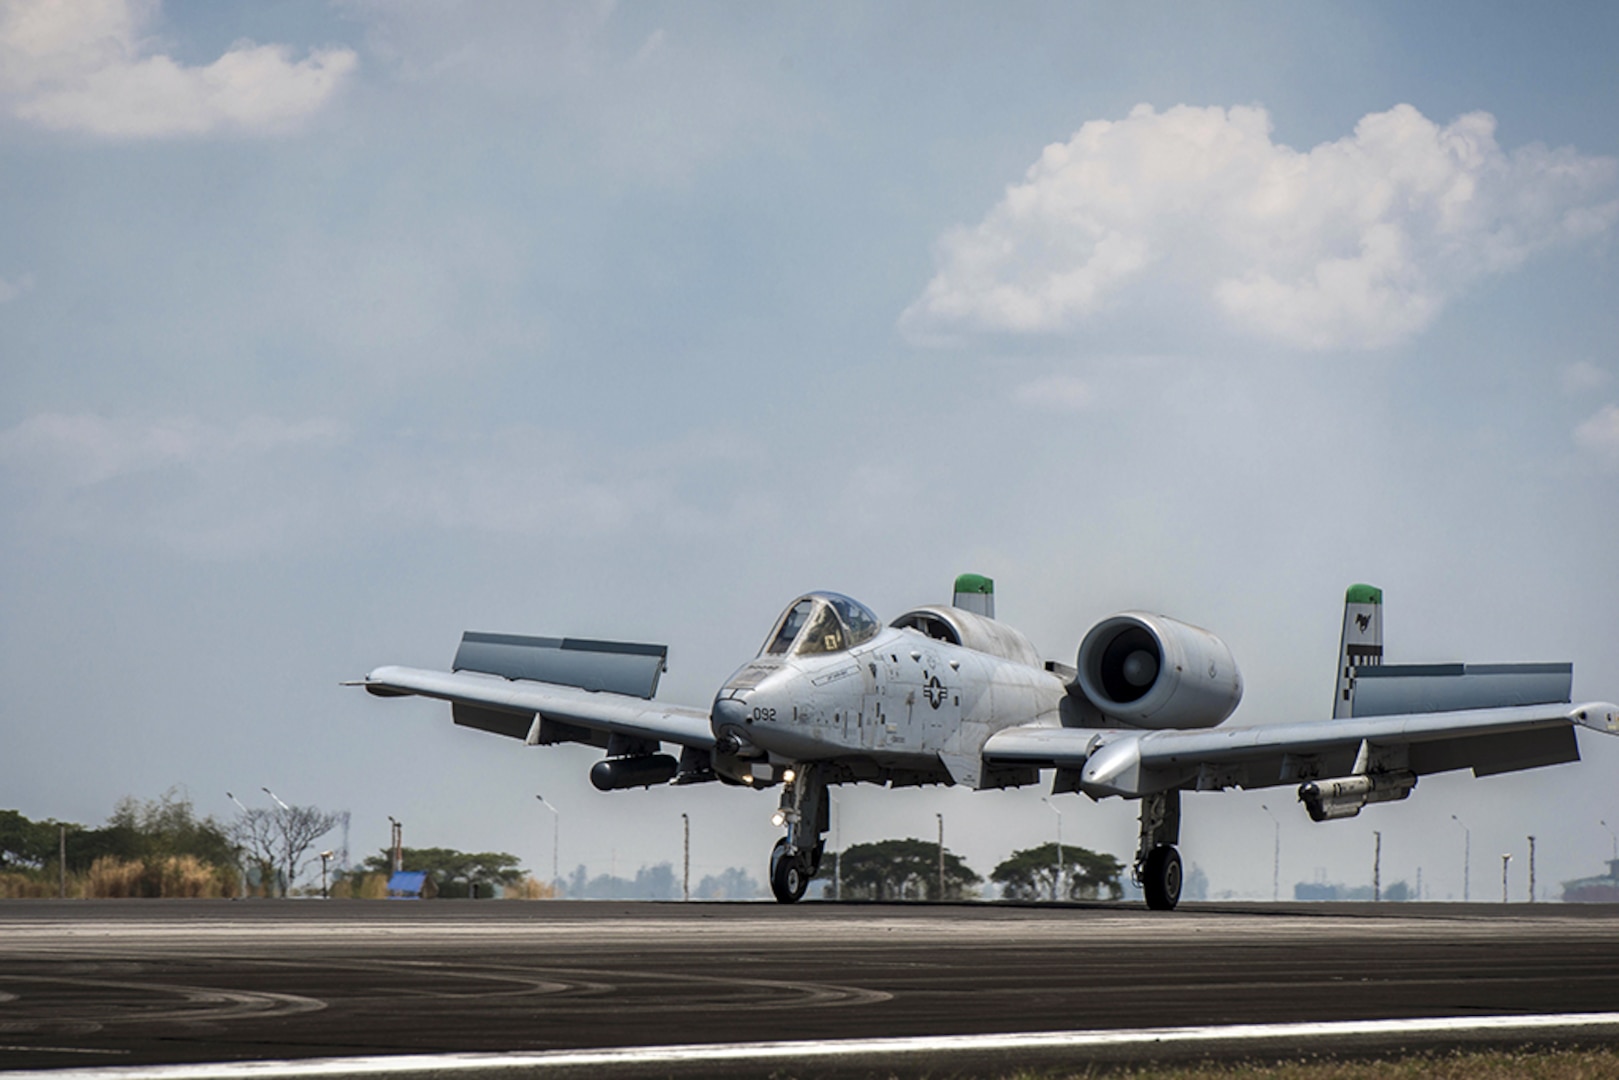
(545, 712)
(1135, 763)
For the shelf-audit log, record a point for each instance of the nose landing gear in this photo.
(797, 856)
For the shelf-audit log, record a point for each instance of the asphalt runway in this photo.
(88, 984)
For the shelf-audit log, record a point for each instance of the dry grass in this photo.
(528, 889)
(180, 877)
(14, 886)
(1526, 1064)
(366, 887)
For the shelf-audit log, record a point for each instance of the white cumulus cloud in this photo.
(11, 290)
(1055, 393)
(1582, 377)
(73, 450)
(1599, 434)
(1357, 243)
(87, 66)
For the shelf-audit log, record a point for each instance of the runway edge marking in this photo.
(719, 1053)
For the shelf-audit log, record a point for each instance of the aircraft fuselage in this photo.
(902, 700)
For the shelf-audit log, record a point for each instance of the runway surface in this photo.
(119, 983)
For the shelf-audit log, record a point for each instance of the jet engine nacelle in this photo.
(643, 770)
(1328, 800)
(1152, 671)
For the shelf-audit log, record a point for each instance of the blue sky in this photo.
(328, 331)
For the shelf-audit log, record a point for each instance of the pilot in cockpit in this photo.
(822, 623)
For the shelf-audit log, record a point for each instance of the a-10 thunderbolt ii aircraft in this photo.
(948, 695)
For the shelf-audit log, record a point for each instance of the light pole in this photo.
(685, 862)
(243, 809)
(1615, 836)
(556, 831)
(1531, 869)
(1276, 858)
(1467, 857)
(1505, 859)
(398, 837)
(1056, 879)
(837, 847)
(276, 797)
(1377, 866)
(941, 855)
(325, 861)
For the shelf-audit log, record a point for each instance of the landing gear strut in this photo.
(1158, 864)
(797, 856)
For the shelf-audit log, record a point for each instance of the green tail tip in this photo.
(975, 583)
(1363, 594)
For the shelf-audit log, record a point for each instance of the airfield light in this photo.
(1505, 859)
(325, 861)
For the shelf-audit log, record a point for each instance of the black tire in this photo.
(1161, 878)
(788, 878)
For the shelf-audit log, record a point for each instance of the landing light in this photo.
(747, 778)
(778, 819)
(789, 776)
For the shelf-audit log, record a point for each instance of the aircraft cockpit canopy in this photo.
(821, 622)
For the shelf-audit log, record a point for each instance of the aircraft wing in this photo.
(542, 712)
(1133, 763)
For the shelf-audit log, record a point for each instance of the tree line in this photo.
(911, 870)
(160, 848)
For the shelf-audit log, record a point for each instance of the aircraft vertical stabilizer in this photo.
(975, 593)
(1361, 644)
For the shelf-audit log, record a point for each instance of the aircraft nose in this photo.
(728, 713)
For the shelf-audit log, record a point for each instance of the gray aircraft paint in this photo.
(949, 696)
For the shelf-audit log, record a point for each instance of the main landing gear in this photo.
(1158, 864)
(797, 856)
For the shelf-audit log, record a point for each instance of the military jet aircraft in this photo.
(946, 694)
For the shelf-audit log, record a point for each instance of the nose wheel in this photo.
(789, 873)
(797, 856)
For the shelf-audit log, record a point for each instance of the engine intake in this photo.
(1156, 672)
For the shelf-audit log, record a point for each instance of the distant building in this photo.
(1594, 890)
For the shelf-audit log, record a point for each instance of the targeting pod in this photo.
(1327, 800)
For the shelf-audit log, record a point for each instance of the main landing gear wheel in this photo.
(1161, 878)
(789, 877)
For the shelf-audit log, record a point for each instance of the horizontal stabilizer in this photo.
(1391, 689)
(614, 666)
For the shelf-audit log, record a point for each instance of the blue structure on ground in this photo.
(410, 885)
